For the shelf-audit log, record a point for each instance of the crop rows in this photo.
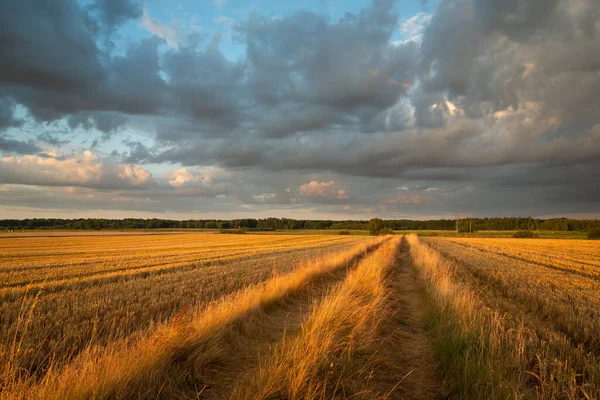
(546, 296)
(83, 290)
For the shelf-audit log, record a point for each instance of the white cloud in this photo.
(33, 169)
(188, 182)
(86, 170)
(315, 190)
(133, 174)
(186, 177)
(412, 28)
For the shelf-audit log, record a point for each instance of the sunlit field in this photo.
(58, 295)
(518, 316)
(265, 316)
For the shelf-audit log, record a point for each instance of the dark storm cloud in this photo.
(105, 122)
(291, 120)
(50, 60)
(52, 64)
(487, 94)
(37, 37)
(204, 84)
(516, 19)
(13, 146)
(346, 67)
(51, 139)
(507, 52)
(134, 84)
(137, 154)
(7, 110)
(318, 73)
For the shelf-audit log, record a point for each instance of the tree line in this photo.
(266, 224)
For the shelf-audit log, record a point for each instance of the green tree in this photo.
(377, 226)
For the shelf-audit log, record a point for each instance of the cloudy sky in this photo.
(305, 109)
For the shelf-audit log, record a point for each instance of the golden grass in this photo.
(300, 317)
(166, 360)
(556, 282)
(314, 364)
(34, 262)
(514, 318)
(88, 290)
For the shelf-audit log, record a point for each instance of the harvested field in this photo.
(527, 310)
(299, 317)
(61, 294)
(189, 355)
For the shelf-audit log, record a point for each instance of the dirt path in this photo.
(402, 361)
(406, 364)
(244, 349)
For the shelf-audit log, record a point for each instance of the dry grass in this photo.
(514, 318)
(60, 295)
(555, 281)
(298, 317)
(317, 362)
(168, 360)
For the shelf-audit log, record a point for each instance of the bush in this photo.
(594, 233)
(344, 233)
(386, 231)
(525, 235)
(377, 227)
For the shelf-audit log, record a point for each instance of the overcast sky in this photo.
(328, 109)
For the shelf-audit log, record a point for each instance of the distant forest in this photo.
(269, 224)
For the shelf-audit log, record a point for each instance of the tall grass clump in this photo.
(11, 373)
(546, 298)
(477, 357)
(317, 363)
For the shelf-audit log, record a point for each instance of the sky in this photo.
(320, 109)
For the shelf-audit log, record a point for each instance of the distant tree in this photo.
(594, 233)
(377, 227)
(225, 225)
(271, 224)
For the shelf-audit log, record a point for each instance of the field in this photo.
(88, 289)
(264, 316)
(496, 234)
(524, 315)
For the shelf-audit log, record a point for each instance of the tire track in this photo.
(272, 327)
(401, 360)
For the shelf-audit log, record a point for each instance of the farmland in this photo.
(260, 316)
(526, 311)
(87, 289)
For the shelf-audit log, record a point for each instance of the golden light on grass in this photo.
(97, 290)
(337, 327)
(139, 353)
(298, 317)
(515, 318)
